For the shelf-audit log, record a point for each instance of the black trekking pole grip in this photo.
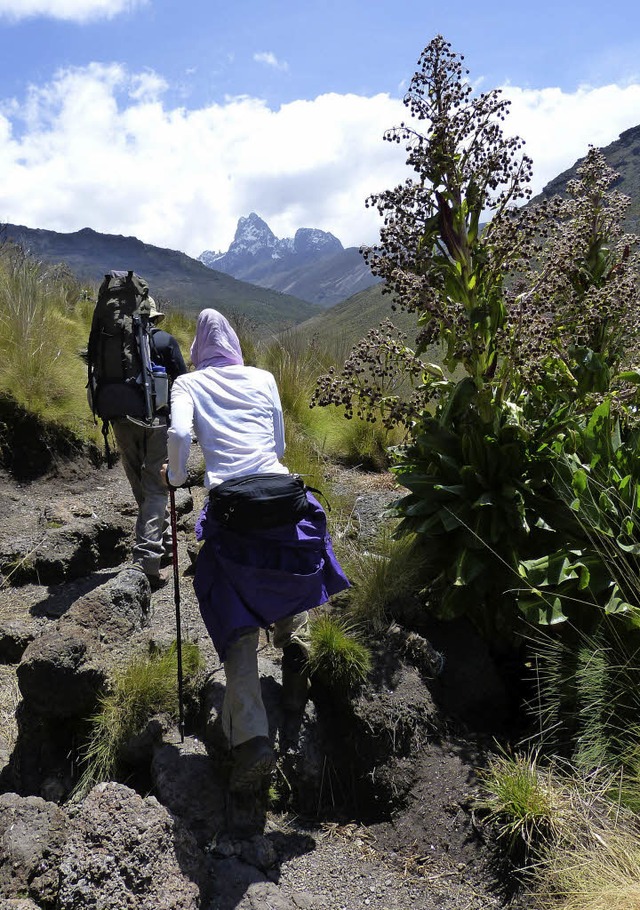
(176, 596)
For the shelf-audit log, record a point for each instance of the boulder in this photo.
(59, 675)
(62, 553)
(63, 670)
(126, 851)
(190, 784)
(16, 633)
(32, 837)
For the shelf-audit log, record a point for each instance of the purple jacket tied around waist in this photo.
(253, 579)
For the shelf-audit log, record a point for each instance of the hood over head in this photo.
(216, 343)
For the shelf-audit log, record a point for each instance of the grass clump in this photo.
(597, 876)
(362, 443)
(336, 655)
(386, 579)
(588, 693)
(596, 864)
(40, 335)
(526, 804)
(146, 687)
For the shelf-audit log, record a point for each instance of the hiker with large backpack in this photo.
(132, 364)
(266, 557)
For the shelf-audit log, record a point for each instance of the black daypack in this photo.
(121, 381)
(256, 502)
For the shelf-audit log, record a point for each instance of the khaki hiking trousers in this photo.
(243, 711)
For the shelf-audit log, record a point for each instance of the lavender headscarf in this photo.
(216, 344)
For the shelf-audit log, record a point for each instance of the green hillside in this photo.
(344, 324)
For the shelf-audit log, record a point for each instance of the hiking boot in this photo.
(156, 579)
(253, 762)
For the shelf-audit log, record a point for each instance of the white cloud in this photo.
(559, 126)
(98, 147)
(70, 10)
(271, 60)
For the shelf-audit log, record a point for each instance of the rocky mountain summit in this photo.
(254, 240)
(312, 265)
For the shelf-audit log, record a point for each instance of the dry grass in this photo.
(601, 875)
(9, 699)
(591, 856)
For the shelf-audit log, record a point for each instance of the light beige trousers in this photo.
(243, 712)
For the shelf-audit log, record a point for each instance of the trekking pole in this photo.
(176, 596)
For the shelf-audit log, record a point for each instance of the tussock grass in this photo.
(580, 846)
(336, 655)
(596, 876)
(386, 578)
(357, 442)
(40, 336)
(147, 686)
(596, 863)
(588, 693)
(295, 368)
(526, 805)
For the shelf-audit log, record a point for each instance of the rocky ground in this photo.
(399, 834)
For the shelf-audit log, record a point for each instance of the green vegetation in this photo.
(581, 846)
(386, 580)
(526, 804)
(146, 687)
(533, 309)
(44, 323)
(336, 656)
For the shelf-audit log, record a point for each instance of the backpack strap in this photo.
(319, 493)
(108, 454)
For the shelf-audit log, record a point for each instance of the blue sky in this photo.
(169, 120)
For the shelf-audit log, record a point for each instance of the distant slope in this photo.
(174, 278)
(346, 323)
(329, 281)
(623, 156)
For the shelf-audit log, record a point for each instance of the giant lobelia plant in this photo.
(526, 306)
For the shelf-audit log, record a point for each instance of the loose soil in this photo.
(426, 854)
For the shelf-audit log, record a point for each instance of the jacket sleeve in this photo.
(278, 420)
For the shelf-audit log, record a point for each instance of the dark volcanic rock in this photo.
(32, 836)
(126, 851)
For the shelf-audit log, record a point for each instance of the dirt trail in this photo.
(423, 858)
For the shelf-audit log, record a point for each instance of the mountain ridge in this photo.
(623, 155)
(313, 265)
(175, 279)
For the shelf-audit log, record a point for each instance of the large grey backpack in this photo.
(118, 353)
